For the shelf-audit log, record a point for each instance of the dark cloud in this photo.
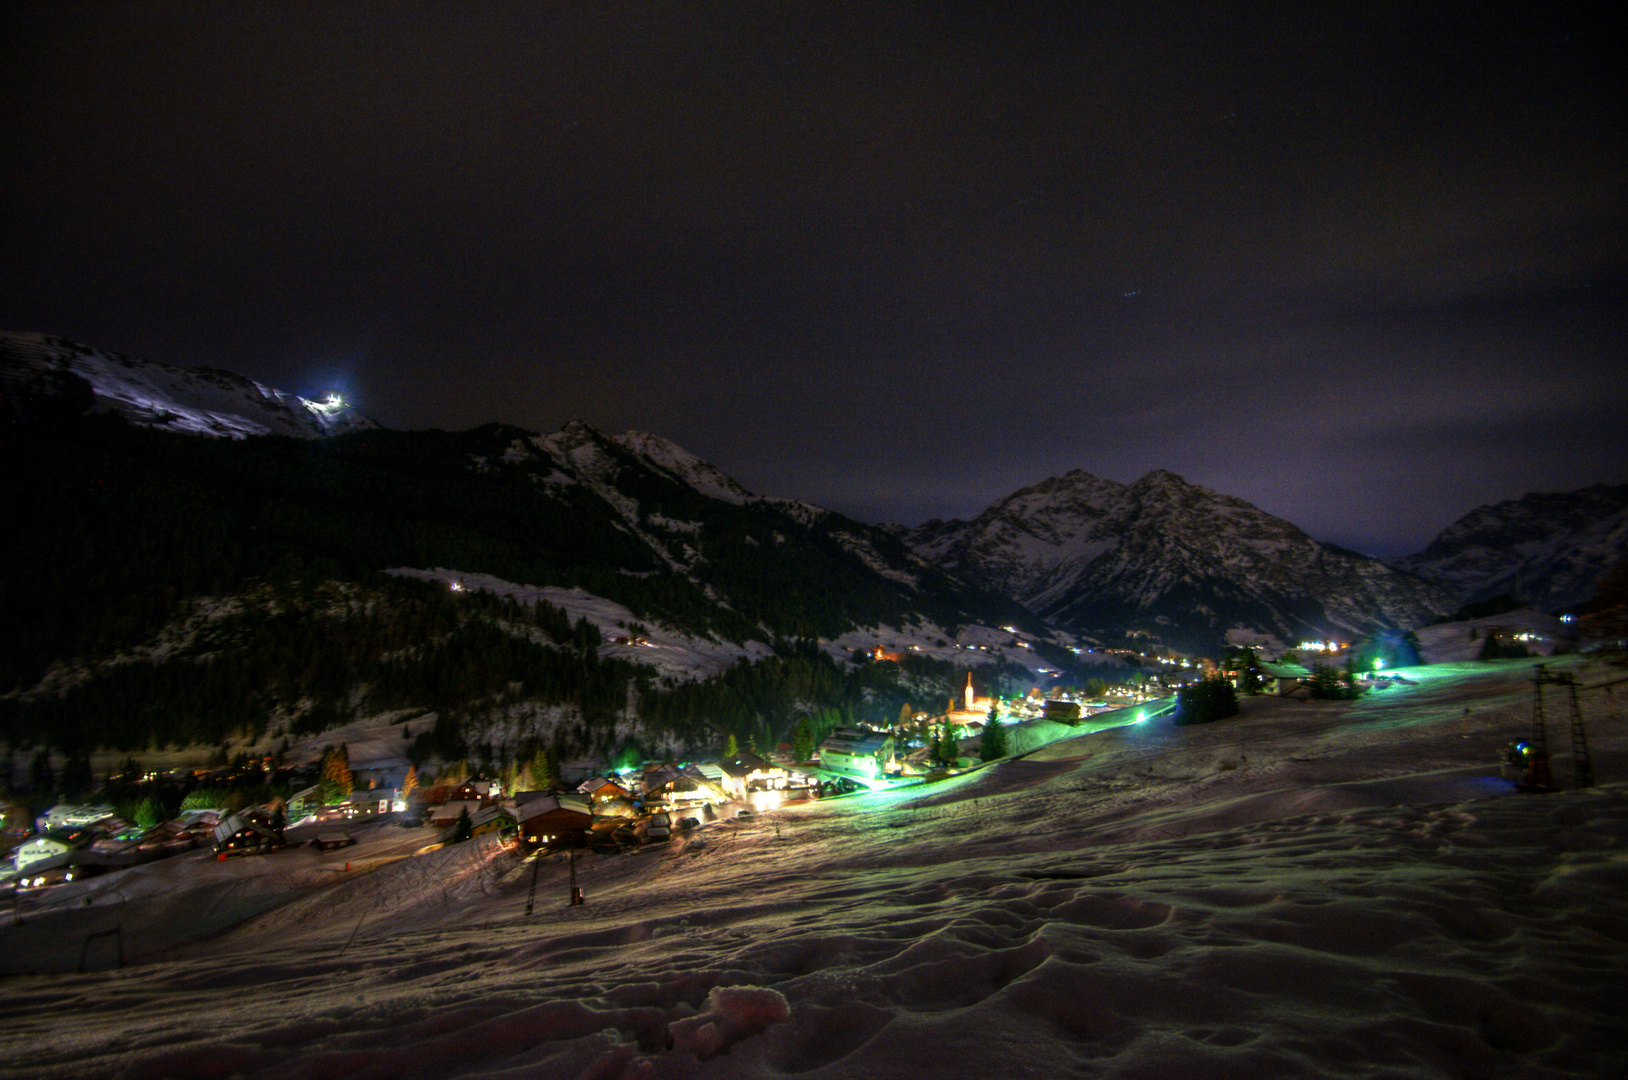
(1354, 262)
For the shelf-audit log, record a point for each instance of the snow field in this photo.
(1358, 896)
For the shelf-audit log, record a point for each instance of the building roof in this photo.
(1283, 671)
(856, 742)
(491, 812)
(745, 764)
(546, 802)
(662, 775)
(449, 810)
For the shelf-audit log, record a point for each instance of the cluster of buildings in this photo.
(70, 841)
(619, 805)
(623, 807)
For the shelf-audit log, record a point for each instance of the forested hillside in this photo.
(162, 589)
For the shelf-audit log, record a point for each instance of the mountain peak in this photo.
(1168, 558)
(680, 463)
(1163, 478)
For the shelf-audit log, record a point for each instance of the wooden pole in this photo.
(531, 897)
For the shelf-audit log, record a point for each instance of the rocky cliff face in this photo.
(1172, 560)
(1548, 550)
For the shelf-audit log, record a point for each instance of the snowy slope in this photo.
(697, 520)
(1548, 550)
(1336, 890)
(1023, 544)
(682, 656)
(197, 401)
(605, 464)
(671, 652)
(1454, 642)
(684, 466)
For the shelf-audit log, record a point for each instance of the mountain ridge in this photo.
(1164, 559)
(1155, 559)
(194, 400)
(1547, 549)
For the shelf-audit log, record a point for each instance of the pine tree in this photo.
(409, 784)
(463, 829)
(1249, 675)
(732, 748)
(337, 780)
(1205, 701)
(1324, 684)
(149, 813)
(994, 742)
(802, 746)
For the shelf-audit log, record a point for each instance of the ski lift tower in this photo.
(1539, 776)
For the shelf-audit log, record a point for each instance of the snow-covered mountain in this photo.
(745, 551)
(199, 401)
(1172, 560)
(630, 523)
(1548, 550)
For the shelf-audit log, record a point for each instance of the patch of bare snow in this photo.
(873, 560)
(671, 652)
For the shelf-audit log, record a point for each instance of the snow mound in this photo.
(732, 1014)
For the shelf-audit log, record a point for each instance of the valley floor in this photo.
(1343, 890)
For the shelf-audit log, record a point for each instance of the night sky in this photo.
(1360, 264)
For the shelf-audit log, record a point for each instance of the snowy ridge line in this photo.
(196, 401)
